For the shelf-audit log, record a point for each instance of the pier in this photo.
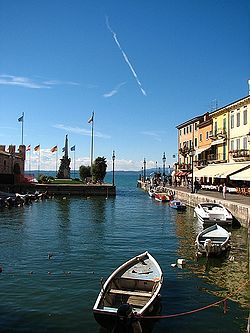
(107, 190)
(238, 205)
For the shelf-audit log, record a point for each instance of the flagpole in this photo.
(74, 164)
(39, 161)
(56, 159)
(92, 141)
(22, 126)
(29, 160)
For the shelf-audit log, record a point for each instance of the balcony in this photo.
(200, 163)
(185, 167)
(216, 158)
(240, 155)
(218, 134)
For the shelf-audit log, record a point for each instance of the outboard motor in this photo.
(126, 322)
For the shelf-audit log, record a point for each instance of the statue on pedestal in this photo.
(64, 169)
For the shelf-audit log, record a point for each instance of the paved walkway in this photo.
(233, 197)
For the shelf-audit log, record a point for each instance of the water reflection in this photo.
(228, 272)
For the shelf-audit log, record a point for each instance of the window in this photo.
(238, 119)
(195, 142)
(190, 128)
(232, 144)
(180, 132)
(245, 117)
(245, 142)
(224, 125)
(187, 129)
(232, 120)
(237, 144)
(195, 126)
(215, 128)
(207, 136)
(190, 143)
(200, 137)
(184, 130)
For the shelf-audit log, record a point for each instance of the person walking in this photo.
(196, 186)
(224, 191)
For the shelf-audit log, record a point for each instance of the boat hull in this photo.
(137, 282)
(109, 320)
(213, 240)
(211, 213)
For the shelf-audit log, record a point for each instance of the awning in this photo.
(220, 170)
(241, 175)
(217, 142)
(200, 150)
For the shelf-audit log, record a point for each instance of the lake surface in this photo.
(88, 239)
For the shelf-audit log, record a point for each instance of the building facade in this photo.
(11, 162)
(221, 136)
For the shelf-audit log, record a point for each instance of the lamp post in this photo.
(164, 164)
(144, 169)
(156, 167)
(113, 169)
(191, 154)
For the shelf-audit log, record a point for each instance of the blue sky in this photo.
(142, 66)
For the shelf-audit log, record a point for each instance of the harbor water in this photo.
(54, 253)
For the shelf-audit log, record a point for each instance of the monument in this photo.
(64, 169)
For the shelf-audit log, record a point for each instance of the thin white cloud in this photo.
(26, 82)
(80, 131)
(21, 82)
(125, 57)
(114, 91)
(155, 135)
(58, 82)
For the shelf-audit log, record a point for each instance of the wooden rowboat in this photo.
(213, 240)
(135, 285)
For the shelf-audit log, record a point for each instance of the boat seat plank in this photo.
(137, 301)
(130, 292)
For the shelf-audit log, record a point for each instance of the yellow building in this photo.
(216, 138)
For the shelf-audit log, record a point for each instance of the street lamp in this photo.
(144, 173)
(113, 159)
(164, 163)
(156, 167)
(191, 154)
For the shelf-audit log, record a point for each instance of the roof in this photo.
(221, 170)
(241, 175)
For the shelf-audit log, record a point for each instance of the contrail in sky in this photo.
(125, 57)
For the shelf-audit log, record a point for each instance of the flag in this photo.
(28, 148)
(37, 148)
(91, 118)
(20, 118)
(53, 149)
(73, 148)
(63, 149)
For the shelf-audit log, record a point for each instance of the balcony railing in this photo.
(219, 133)
(216, 158)
(240, 154)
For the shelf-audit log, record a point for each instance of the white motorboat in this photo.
(213, 240)
(210, 213)
(133, 287)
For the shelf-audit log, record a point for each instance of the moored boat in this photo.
(135, 284)
(164, 196)
(178, 205)
(213, 240)
(210, 213)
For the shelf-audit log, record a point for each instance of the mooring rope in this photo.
(224, 300)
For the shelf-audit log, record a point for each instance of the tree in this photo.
(99, 168)
(84, 172)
